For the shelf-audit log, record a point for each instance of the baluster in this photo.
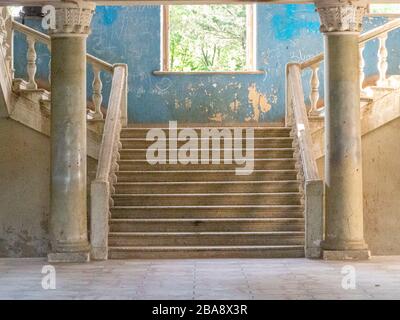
(3, 30)
(31, 66)
(8, 42)
(382, 60)
(10, 54)
(97, 96)
(361, 66)
(49, 48)
(5, 47)
(314, 89)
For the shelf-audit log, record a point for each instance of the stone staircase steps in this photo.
(207, 210)
(291, 198)
(265, 142)
(207, 186)
(219, 238)
(207, 225)
(197, 212)
(270, 132)
(198, 252)
(204, 175)
(266, 164)
(266, 153)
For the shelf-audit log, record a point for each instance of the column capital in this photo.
(73, 18)
(341, 15)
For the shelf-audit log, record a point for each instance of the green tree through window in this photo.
(384, 8)
(207, 38)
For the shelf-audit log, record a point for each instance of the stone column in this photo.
(341, 23)
(68, 132)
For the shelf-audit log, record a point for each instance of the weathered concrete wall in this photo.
(381, 183)
(25, 190)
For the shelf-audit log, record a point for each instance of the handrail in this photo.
(312, 184)
(376, 32)
(112, 123)
(102, 187)
(44, 38)
(364, 38)
(300, 121)
(310, 62)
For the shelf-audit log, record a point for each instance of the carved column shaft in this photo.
(341, 22)
(68, 133)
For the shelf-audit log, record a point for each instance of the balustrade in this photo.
(381, 33)
(32, 38)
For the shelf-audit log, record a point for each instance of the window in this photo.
(208, 38)
(387, 9)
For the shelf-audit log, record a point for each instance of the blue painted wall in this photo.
(285, 33)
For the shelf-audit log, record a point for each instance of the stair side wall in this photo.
(381, 183)
(25, 190)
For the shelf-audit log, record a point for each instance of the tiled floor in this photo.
(378, 278)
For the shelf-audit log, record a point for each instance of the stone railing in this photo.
(296, 117)
(102, 186)
(380, 33)
(32, 38)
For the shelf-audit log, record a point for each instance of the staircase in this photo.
(199, 211)
(206, 210)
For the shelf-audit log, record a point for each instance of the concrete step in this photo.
(259, 132)
(206, 225)
(269, 142)
(118, 239)
(196, 212)
(265, 153)
(291, 198)
(203, 175)
(199, 252)
(266, 164)
(207, 187)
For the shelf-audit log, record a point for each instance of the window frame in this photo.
(251, 44)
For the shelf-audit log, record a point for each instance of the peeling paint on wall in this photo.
(258, 101)
(218, 117)
(201, 98)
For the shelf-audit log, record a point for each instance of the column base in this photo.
(363, 254)
(68, 257)
(313, 253)
(99, 253)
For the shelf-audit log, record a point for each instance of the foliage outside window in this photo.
(384, 9)
(208, 38)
